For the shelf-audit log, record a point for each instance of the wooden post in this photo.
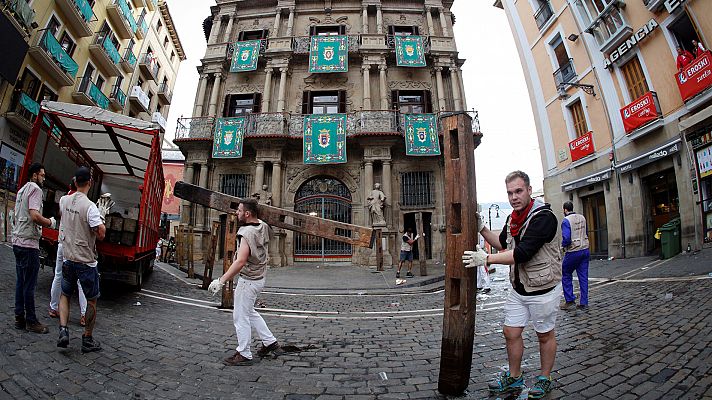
(179, 245)
(230, 248)
(461, 235)
(189, 253)
(422, 256)
(379, 249)
(210, 259)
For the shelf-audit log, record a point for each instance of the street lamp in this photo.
(489, 212)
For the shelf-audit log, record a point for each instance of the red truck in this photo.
(124, 156)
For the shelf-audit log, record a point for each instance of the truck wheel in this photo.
(139, 280)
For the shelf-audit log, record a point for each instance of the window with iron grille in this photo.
(237, 185)
(417, 189)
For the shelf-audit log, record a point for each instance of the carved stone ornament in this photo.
(296, 176)
(253, 25)
(314, 21)
(410, 20)
(408, 85)
(242, 88)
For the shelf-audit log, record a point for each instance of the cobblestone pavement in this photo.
(646, 335)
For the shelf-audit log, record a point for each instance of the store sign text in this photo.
(581, 147)
(639, 112)
(631, 42)
(696, 77)
(672, 5)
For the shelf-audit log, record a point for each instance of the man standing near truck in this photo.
(81, 226)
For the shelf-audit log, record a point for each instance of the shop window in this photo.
(635, 78)
(417, 189)
(253, 35)
(237, 105)
(684, 31)
(237, 185)
(412, 101)
(579, 118)
(327, 102)
(327, 30)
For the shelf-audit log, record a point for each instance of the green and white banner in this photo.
(421, 135)
(329, 54)
(245, 56)
(325, 139)
(228, 137)
(410, 51)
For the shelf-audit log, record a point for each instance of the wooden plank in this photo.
(229, 254)
(189, 254)
(379, 249)
(359, 236)
(461, 235)
(422, 255)
(210, 258)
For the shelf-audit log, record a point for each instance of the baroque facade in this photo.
(372, 94)
(624, 122)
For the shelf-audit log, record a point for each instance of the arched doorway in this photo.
(328, 198)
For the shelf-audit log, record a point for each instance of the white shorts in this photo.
(540, 310)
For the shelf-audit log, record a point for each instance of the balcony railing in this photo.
(566, 73)
(391, 43)
(118, 95)
(610, 27)
(164, 92)
(126, 12)
(23, 13)
(128, 61)
(231, 48)
(80, 15)
(195, 128)
(543, 14)
(51, 47)
(302, 44)
(109, 47)
(142, 27)
(147, 62)
(25, 107)
(86, 86)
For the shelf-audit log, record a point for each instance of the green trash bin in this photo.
(670, 238)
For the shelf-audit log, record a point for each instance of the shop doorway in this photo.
(409, 221)
(594, 210)
(661, 204)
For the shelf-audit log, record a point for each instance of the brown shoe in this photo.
(569, 305)
(238, 360)
(37, 327)
(83, 321)
(20, 322)
(53, 313)
(265, 350)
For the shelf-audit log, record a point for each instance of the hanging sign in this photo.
(245, 56)
(325, 139)
(421, 135)
(581, 147)
(228, 136)
(410, 51)
(639, 112)
(695, 77)
(329, 54)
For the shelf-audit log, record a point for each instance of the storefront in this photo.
(10, 162)
(701, 152)
(593, 202)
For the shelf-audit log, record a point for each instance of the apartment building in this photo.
(623, 123)
(310, 104)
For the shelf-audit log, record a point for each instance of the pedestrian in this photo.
(56, 289)
(699, 49)
(250, 264)
(81, 227)
(531, 249)
(574, 240)
(26, 246)
(684, 58)
(406, 252)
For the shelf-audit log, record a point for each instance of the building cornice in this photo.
(163, 6)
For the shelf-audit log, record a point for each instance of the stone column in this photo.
(215, 30)
(462, 89)
(443, 23)
(379, 20)
(266, 96)
(201, 210)
(364, 20)
(276, 183)
(185, 205)
(259, 175)
(277, 23)
(366, 87)
(454, 79)
(214, 95)
(228, 30)
(387, 180)
(282, 89)
(383, 86)
(368, 183)
(441, 88)
(200, 100)
(290, 22)
(429, 16)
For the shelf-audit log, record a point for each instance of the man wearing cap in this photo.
(26, 245)
(81, 226)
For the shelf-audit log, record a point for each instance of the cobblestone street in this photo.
(647, 335)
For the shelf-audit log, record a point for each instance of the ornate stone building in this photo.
(276, 93)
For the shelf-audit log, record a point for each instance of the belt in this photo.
(251, 279)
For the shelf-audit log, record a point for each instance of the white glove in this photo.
(480, 222)
(476, 258)
(215, 287)
(416, 237)
(52, 223)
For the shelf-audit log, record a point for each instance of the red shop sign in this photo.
(639, 112)
(696, 77)
(581, 147)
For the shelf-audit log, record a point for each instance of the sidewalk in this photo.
(683, 264)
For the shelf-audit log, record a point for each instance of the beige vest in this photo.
(543, 271)
(24, 227)
(78, 240)
(404, 245)
(579, 237)
(257, 238)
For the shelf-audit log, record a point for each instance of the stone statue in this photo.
(376, 203)
(263, 196)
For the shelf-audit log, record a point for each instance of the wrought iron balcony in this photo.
(80, 15)
(610, 27)
(566, 73)
(164, 93)
(105, 54)
(302, 44)
(231, 48)
(87, 93)
(543, 14)
(23, 111)
(118, 98)
(121, 18)
(149, 66)
(22, 14)
(391, 43)
(48, 53)
(128, 61)
(195, 128)
(141, 27)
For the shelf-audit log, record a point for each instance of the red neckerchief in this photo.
(518, 218)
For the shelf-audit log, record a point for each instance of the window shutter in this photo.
(306, 102)
(226, 106)
(342, 101)
(256, 102)
(428, 101)
(312, 30)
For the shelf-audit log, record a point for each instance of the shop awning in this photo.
(696, 118)
(598, 177)
(667, 149)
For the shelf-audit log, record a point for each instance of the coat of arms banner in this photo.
(421, 135)
(329, 54)
(228, 137)
(325, 139)
(410, 51)
(245, 56)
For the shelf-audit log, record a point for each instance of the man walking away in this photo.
(81, 226)
(575, 243)
(251, 265)
(26, 246)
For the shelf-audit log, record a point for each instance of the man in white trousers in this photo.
(251, 265)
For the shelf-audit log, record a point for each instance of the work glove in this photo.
(480, 222)
(52, 223)
(215, 287)
(416, 237)
(476, 258)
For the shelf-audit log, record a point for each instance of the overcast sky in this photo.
(494, 84)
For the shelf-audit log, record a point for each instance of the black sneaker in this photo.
(89, 344)
(582, 307)
(409, 275)
(264, 351)
(20, 322)
(398, 274)
(485, 291)
(63, 340)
